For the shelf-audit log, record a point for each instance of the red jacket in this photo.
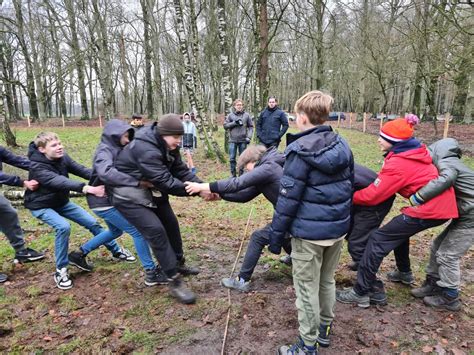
(406, 173)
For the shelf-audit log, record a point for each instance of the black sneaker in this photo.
(155, 276)
(28, 255)
(78, 259)
(323, 335)
(124, 255)
(3, 278)
(178, 290)
(186, 270)
(429, 288)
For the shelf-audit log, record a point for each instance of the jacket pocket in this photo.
(303, 266)
(135, 195)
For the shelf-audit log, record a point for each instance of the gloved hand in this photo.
(275, 248)
(239, 122)
(416, 200)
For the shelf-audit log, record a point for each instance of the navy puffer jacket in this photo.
(316, 188)
(271, 125)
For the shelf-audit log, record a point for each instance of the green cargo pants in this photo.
(313, 278)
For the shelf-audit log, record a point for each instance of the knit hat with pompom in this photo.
(400, 129)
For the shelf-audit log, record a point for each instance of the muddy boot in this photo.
(447, 299)
(377, 294)
(350, 296)
(429, 288)
(178, 290)
(186, 270)
(323, 335)
(155, 276)
(405, 278)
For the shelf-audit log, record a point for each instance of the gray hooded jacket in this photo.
(446, 156)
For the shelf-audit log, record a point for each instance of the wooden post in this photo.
(364, 123)
(381, 120)
(62, 118)
(100, 121)
(350, 120)
(447, 117)
(338, 119)
(29, 122)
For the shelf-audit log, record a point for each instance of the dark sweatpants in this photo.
(258, 240)
(365, 220)
(395, 235)
(160, 227)
(10, 225)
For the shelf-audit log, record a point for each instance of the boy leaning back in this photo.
(314, 207)
(50, 166)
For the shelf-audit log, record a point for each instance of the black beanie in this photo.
(170, 125)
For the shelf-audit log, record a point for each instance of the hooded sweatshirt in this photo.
(103, 169)
(263, 179)
(406, 172)
(446, 156)
(316, 187)
(53, 178)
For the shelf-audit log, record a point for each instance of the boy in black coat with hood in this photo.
(50, 166)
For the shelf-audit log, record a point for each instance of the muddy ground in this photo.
(111, 311)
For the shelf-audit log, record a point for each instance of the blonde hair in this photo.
(238, 100)
(316, 105)
(252, 154)
(44, 137)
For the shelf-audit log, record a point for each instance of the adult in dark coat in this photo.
(272, 124)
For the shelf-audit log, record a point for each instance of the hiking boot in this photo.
(323, 335)
(350, 296)
(28, 255)
(377, 294)
(78, 259)
(443, 301)
(236, 283)
(178, 290)
(3, 278)
(124, 255)
(299, 348)
(286, 260)
(429, 288)
(353, 265)
(61, 277)
(155, 276)
(405, 278)
(186, 270)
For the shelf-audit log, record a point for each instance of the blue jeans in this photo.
(56, 218)
(233, 147)
(117, 225)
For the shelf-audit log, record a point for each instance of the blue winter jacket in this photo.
(316, 188)
(272, 124)
(20, 162)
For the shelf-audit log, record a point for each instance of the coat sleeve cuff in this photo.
(213, 186)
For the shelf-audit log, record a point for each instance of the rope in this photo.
(231, 273)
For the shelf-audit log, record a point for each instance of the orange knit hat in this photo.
(400, 129)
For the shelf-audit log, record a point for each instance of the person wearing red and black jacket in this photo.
(9, 223)
(407, 167)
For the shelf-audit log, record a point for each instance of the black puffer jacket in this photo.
(53, 178)
(147, 158)
(20, 162)
(103, 169)
(263, 179)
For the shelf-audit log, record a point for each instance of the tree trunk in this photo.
(7, 133)
(147, 47)
(156, 58)
(124, 70)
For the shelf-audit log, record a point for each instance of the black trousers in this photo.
(395, 235)
(160, 227)
(365, 220)
(258, 240)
